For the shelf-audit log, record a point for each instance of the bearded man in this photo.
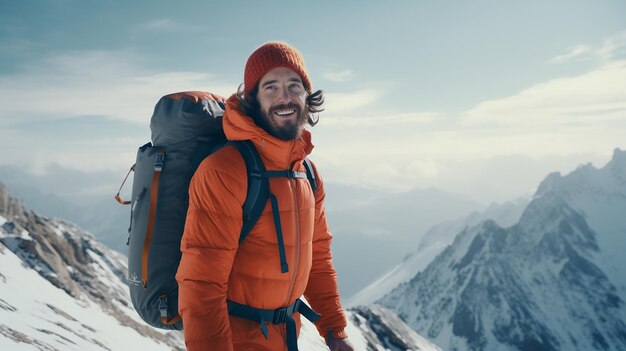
(246, 295)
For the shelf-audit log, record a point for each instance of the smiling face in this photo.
(281, 98)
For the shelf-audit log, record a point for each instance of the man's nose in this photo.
(283, 95)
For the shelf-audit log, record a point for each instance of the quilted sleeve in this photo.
(208, 247)
(321, 291)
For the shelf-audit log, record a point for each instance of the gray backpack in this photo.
(186, 127)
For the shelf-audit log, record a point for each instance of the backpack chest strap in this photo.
(291, 174)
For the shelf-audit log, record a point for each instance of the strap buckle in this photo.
(160, 161)
(280, 315)
(163, 305)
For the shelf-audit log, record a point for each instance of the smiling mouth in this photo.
(284, 112)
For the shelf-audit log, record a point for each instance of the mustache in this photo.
(284, 107)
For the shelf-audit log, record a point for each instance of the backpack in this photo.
(186, 127)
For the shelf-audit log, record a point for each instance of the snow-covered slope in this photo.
(370, 328)
(60, 289)
(553, 281)
(36, 315)
(433, 242)
(383, 330)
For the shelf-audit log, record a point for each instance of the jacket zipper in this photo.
(294, 273)
(292, 283)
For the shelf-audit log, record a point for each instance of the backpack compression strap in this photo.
(163, 311)
(158, 167)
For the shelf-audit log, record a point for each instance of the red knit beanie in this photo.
(270, 56)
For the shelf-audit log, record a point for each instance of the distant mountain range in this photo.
(60, 289)
(364, 222)
(552, 281)
(539, 274)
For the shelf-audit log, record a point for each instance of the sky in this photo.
(483, 98)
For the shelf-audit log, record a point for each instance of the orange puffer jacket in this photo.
(214, 267)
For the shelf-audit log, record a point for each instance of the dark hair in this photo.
(250, 106)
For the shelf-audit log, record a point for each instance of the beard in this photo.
(287, 130)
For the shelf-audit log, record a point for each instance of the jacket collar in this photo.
(276, 153)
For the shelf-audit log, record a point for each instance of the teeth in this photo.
(285, 112)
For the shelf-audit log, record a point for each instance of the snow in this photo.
(311, 340)
(549, 280)
(58, 230)
(399, 274)
(44, 317)
(27, 307)
(605, 214)
(433, 242)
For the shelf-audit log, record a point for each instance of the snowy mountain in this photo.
(60, 289)
(552, 281)
(63, 290)
(433, 242)
(383, 330)
(385, 226)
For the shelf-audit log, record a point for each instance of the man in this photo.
(267, 272)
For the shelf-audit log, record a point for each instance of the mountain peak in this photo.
(604, 177)
(618, 161)
(548, 183)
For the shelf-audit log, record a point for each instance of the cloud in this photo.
(338, 103)
(595, 97)
(612, 48)
(356, 143)
(552, 125)
(87, 144)
(100, 83)
(368, 120)
(401, 157)
(339, 76)
(576, 51)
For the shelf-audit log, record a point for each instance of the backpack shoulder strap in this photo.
(310, 174)
(258, 186)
